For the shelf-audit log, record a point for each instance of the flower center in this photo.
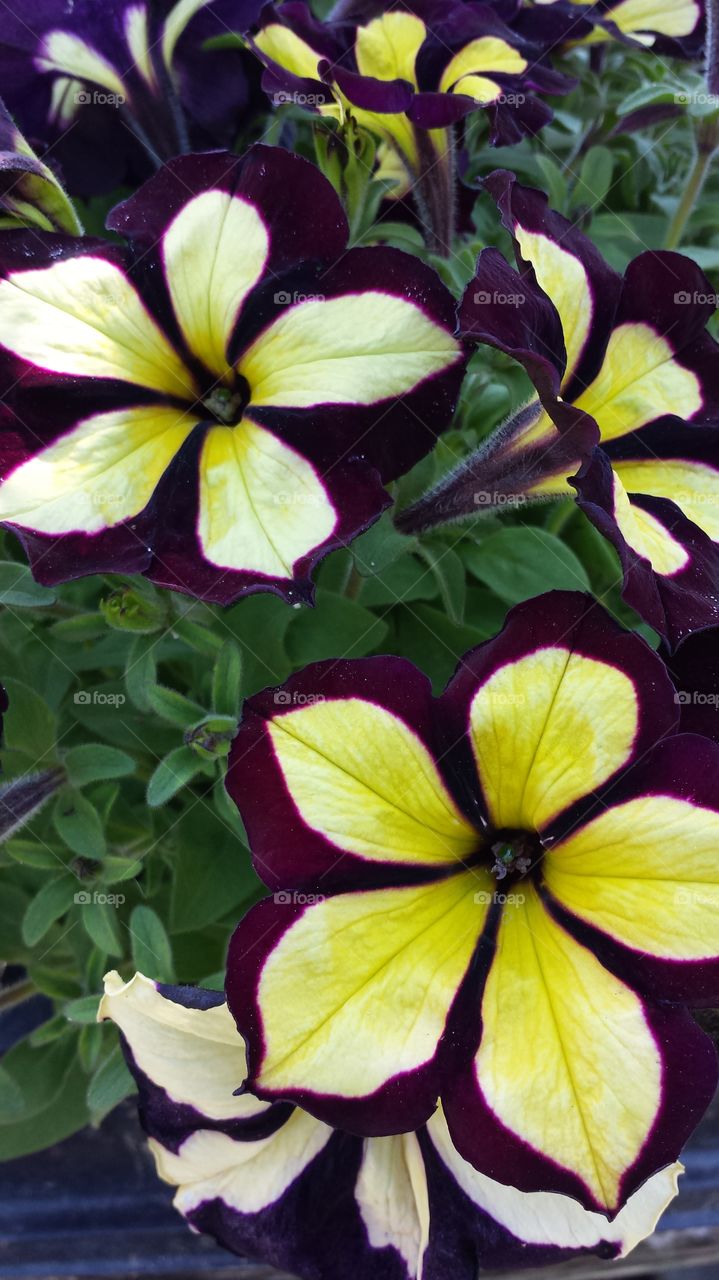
(227, 404)
(514, 854)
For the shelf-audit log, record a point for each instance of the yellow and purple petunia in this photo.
(218, 405)
(623, 363)
(116, 87)
(674, 28)
(270, 1181)
(502, 899)
(407, 72)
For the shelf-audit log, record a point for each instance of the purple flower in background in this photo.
(115, 88)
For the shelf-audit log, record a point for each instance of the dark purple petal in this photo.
(508, 310)
(529, 209)
(695, 671)
(673, 604)
(690, 1073)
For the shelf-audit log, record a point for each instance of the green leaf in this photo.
(31, 854)
(53, 1091)
(29, 725)
(335, 628)
(523, 561)
(227, 679)
(77, 630)
(595, 178)
(141, 671)
(448, 572)
(554, 180)
(406, 579)
(13, 905)
(11, 1099)
(101, 923)
(380, 546)
(260, 625)
(433, 641)
(77, 822)
(52, 901)
(197, 637)
(110, 1084)
(94, 762)
(174, 707)
(89, 1046)
(151, 950)
(19, 589)
(171, 775)
(207, 888)
(82, 1010)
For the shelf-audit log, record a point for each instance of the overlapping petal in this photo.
(395, 1207)
(426, 927)
(623, 364)
(223, 413)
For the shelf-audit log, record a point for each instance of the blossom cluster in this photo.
(456, 1032)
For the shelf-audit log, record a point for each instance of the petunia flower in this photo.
(624, 362)
(269, 1181)
(671, 27)
(118, 87)
(408, 73)
(500, 899)
(30, 194)
(217, 405)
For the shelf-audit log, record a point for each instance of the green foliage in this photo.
(135, 693)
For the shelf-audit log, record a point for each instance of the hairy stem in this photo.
(434, 191)
(707, 140)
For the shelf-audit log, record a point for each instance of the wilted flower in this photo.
(218, 406)
(118, 87)
(501, 899)
(624, 362)
(270, 1181)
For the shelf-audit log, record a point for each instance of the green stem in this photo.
(707, 140)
